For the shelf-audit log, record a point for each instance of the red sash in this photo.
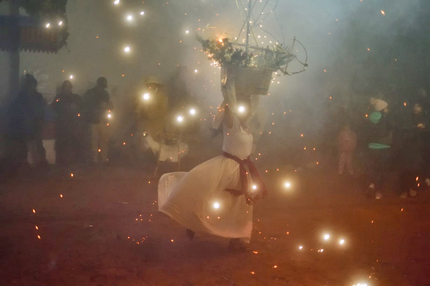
(261, 188)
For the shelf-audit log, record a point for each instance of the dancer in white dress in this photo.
(216, 196)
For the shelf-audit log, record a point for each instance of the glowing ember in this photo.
(71, 175)
(382, 12)
(38, 236)
(172, 240)
(61, 195)
(34, 211)
(36, 227)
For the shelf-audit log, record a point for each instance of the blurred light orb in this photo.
(195, 71)
(180, 118)
(241, 109)
(109, 115)
(187, 32)
(116, 2)
(48, 25)
(192, 111)
(326, 236)
(129, 18)
(146, 96)
(216, 205)
(142, 13)
(71, 76)
(127, 49)
(342, 241)
(60, 23)
(300, 247)
(287, 185)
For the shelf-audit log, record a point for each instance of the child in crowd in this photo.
(347, 142)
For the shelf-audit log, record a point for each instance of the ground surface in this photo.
(105, 230)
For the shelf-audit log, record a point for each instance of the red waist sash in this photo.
(261, 188)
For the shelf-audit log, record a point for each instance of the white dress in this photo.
(198, 199)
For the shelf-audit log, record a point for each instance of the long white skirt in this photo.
(198, 199)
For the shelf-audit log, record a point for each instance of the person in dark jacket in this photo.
(26, 125)
(411, 155)
(68, 127)
(380, 137)
(97, 107)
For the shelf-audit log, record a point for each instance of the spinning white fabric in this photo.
(198, 200)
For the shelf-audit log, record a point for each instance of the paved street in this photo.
(102, 228)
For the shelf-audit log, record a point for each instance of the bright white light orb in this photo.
(300, 247)
(326, 236)
(146, 96)
(216, 205)
(116, 2)
(195, 71)
(109, 115)
(142, 13)
(127, 49)
(60, 23)
(254, 187)
(342, 241)
(192, 111)
(129, 18)
(48, 25)
(71, 77)
(241, 109)
(180, 118)
(187, 32)
(287, 185)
